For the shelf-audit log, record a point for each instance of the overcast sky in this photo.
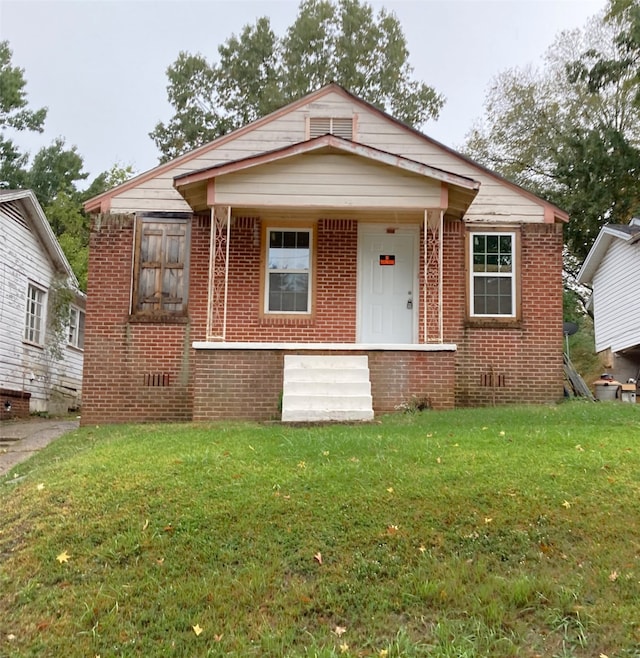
(100, 65)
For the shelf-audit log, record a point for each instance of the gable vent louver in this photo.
(331, 126)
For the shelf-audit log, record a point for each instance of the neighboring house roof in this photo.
(40, 224)
(629, 233)
(102, 202)
(465, 188)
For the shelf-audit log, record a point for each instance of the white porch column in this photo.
(432, 283)
(218, 273)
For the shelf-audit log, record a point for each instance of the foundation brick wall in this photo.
(19, 401)
(247, 384)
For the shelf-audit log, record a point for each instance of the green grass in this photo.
(491, 532)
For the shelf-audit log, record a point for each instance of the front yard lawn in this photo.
(487, 532)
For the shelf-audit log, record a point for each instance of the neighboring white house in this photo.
(612, 269)
(41, 313)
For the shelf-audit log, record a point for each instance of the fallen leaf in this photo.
(160, 560)
(344, 647)
(63, 557)
(318, 557)
(579, 448)
(218, 638)
(392, 529)
(439, 460)
(603, 655)
(197, 630)
(168, 528)
(613, 576)
(41, 486)
(11, 637)
(566, 504)
(488, 519)
(146, 524)
(502, 432)
(390, 489)
(325, 453)
(485, 428)
(302, 465)
(339, 631)
(383, 653)
(422, 548)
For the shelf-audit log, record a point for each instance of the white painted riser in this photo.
(325, 388)
(327, 375)
(345, 389)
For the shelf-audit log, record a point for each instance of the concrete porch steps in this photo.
(324, 388)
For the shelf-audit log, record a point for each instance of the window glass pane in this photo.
(288, 292)
(492, 295)
(492, 244)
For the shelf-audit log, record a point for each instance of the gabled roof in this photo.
(101, 203)
(627, 232)
(40, 224)
(461, 190)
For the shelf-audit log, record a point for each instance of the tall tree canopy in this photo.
(258, 72)
(55, 171)
(570, 131)
(15, 115)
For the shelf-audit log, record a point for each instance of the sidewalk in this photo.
(19, 439)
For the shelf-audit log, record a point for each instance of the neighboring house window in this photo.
(161, 281)
(288, 276)
(493, 274)
(76, 328)
(340, 127)
(34, 320)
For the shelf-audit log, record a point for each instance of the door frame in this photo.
(379, 229)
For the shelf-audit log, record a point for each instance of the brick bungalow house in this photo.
(324, 262)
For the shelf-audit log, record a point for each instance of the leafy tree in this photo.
(55, 170)
(258, 72)
(568, 137)
(15, 115)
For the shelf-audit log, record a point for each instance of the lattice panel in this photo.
(433, 276)
(218, 273)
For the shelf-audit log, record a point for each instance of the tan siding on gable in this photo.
(496, 202)
(332, 181)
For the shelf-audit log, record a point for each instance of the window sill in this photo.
(287, 320)
(493, 323)
(32, 344)
(159, 318)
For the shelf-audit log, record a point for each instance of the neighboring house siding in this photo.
(615, 298)
(23, 366)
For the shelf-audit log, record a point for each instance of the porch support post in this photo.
(218, 273)
(432, 284)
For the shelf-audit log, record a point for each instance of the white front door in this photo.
(387, 290)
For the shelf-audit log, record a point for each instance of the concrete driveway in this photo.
(19, 439)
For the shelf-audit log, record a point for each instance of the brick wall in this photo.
(19, 401)
(247, 384)
(137, 371)
(520, 361)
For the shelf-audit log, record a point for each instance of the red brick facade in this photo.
(148, 371)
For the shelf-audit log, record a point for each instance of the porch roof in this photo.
(328, 173)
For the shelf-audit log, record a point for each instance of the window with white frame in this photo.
(76, 328)
(34, 318)
(288, 276)
(493, 267)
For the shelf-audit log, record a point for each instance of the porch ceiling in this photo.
(331, 178)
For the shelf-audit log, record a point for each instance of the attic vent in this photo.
(331, 126)
(336, 225)
(12, 210)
